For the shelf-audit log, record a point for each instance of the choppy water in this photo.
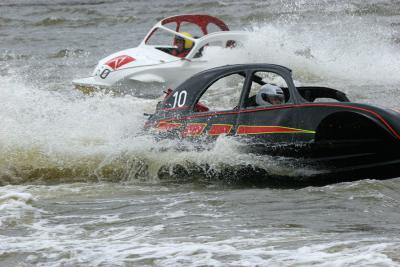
(82, 186)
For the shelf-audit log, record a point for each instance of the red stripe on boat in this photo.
(162, 125)
(217, 129)
(193, 129)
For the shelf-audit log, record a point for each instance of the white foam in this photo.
(31, 116)
(51, 130)
(352, 50)
(16, 206)
(340, 253)
(75, 136)
(346, 51)
(102, 238)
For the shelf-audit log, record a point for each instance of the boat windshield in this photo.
(165, 39)
(166, 34)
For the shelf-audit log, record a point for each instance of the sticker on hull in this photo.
(118, 62)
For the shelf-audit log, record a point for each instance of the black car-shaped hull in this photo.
(317, 126)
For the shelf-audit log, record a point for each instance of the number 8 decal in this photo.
(179, 98)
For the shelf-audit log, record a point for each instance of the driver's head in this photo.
(183, 43)
(270, 94)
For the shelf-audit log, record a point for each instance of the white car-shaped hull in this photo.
(153, 61)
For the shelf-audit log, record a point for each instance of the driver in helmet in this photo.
(183, 45)
(270, 95)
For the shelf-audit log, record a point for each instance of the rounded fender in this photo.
(351, 125)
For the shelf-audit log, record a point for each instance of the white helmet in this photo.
(270, 94)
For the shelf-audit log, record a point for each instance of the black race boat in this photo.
(317, 127)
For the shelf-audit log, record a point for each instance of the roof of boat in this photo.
(199, 19)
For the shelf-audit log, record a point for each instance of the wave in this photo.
(342, 53)
(355, 54)
(77, 23)
(43, 132)
(55, 3)
(383, 9)
(147, 161)
(51, 21)
(7, 55)
(63, 53)
(4, 21)
(49, 137)
(16, 207)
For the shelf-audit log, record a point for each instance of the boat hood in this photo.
(133, 57)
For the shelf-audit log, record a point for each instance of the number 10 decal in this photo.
(179, 99)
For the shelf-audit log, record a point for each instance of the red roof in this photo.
(200, 20)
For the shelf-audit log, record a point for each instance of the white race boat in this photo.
(157, 60)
